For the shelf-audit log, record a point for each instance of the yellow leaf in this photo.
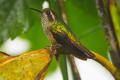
(28, 66)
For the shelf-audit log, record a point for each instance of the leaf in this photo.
(28, 66)
(13, 19)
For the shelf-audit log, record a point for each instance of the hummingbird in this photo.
(61, 35)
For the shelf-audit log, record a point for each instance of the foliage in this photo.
(29, 66)
(16, 19)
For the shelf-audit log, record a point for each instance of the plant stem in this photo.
(63, 67)
(76, 75)
(110, 30)
(115, 15)
(108, 13)
(62, 11)
(71, 59)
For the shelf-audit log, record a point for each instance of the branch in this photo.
(108, 13)
(63, 14)
(109, 28)
(63, 66)
(74, 67)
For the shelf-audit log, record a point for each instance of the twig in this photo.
(63, 14)
(109, 26)
(63, 66)
(110, 31)
(74, 67)
(75, 71)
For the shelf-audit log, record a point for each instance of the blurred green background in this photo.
(16, 19)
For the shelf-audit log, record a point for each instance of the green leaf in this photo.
(13, 19)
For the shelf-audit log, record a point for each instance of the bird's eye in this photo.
(49, 14)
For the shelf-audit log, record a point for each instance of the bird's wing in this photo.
(70, 46)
